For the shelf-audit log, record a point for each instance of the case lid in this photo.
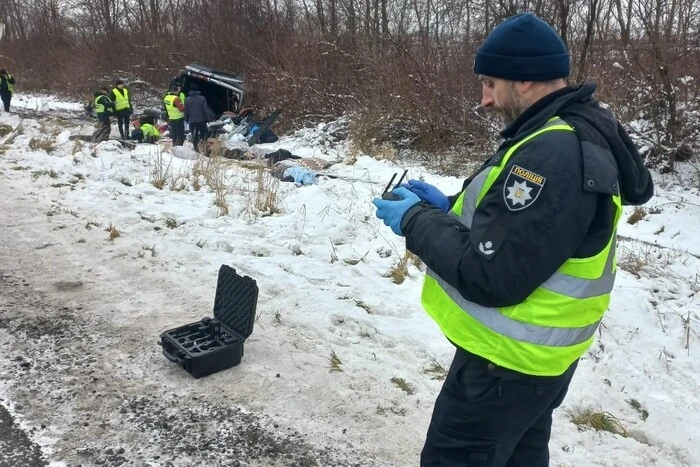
(235, 301)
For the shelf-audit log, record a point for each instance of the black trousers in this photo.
(6, 97)
(489, 416)
(103, 131)
(123, 122)
(199, 135)
(177, 131)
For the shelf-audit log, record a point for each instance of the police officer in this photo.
(122, 107)
(175, 109)
(147, 131)
(521, 263)
(103, 110)
(6, 88)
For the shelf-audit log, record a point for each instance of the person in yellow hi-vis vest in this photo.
(520, 263)
(103, 110)
(147, 131)
(174, 105)
(6, 88)
(121, 96)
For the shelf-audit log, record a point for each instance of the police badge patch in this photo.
(521, 188)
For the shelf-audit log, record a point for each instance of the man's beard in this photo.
(512, 107)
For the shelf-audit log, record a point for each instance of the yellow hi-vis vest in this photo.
(99, 107)
(10, 86)
(553, 326)
(173, 112)
(121, 100)
(149, 131)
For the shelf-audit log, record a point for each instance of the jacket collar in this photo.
(547, 107)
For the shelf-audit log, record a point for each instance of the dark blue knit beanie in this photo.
(523, 48)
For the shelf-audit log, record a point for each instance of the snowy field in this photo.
(343, 365)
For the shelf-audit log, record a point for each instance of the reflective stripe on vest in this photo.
(552, 327)
(121, 100)
(173, 112)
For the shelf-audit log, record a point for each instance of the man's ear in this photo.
(524, 87)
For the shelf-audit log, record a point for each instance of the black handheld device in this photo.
(387, 194)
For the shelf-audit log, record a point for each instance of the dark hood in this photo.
(594, 125)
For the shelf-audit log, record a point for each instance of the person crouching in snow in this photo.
(103, 110)
(147, 131)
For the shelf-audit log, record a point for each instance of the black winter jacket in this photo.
(196, 108)
(571, 216)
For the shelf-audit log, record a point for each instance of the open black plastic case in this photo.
(212, 345)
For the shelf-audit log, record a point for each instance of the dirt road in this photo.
(79, 373)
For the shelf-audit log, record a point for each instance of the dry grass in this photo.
(150, 249)
(393, 408)
(19, 130)
(213, 169)
(113, 232)
(159, 170)
(600, 421)
(383, 151)
(366, 138)
(413, 259)
(38, 173)
(77, 147)
(265, 192)
(399, 272)
(633, 261)
(197, 174)
(364, 306)
(435, 370)
(649, 261)
(42, 143)
(171, 223)
(336, 364)
(403, 385)
(637, 215)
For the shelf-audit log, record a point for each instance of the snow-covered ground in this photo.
(321, 260)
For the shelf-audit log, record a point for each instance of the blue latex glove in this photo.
(391, 212)
(429, 194)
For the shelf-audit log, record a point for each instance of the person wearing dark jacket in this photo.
(175, 111)
(103, 110)
(6, 88)
(121, 95)
(198, 113)
(521, 263)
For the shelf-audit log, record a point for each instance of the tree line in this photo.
(401, 70)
